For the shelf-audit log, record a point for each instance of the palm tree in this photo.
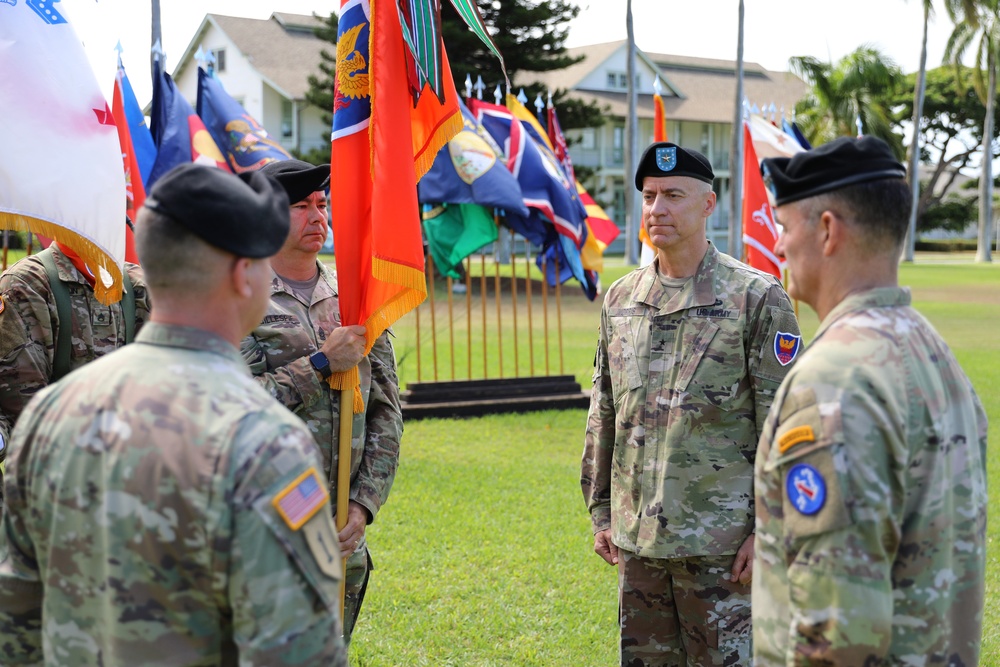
(860, 84)
(977, 25)
(918, 111)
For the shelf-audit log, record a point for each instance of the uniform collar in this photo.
(68, 273)
(189, 338)
(880, 297)
(326, 286)
(650, 291)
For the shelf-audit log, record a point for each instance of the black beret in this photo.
(667, 159)
(300, 179)
(246, 215)
(842, 162)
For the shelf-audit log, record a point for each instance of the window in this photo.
(286, 119)
(622, 80)
(612, 80)
(588, 138)
(220, 59)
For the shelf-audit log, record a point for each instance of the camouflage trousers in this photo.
(680, 612)
(359, 566)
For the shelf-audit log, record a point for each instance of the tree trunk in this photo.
(918, 112)
(984, 252)
(735, 249)
(633, 222)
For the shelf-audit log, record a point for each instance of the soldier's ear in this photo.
(831, 230)
(241, 275)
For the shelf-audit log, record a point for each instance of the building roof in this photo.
(283, 48)
(703, 89)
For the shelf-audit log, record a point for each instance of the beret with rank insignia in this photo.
(666, 159)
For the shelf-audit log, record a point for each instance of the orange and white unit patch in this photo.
(300, 500)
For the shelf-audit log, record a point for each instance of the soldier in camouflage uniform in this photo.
(870, 477)
(691, 351)
(300, 342)
(29, 326)
(163, 509)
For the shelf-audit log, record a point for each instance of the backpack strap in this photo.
(64, 332)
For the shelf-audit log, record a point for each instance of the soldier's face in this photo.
(309, 225)
(800, 247)
(674, 209)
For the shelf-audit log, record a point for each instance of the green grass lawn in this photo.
(483, 553)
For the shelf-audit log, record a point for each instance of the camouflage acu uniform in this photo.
(29, 326)
(278, 352)
(144, 525)
(871, 498)
(681, 390)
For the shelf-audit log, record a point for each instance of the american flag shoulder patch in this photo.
(301, 499)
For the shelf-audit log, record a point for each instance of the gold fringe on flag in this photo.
(89, 252)
(346, 380)
(443, 133)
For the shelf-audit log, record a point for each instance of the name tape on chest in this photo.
(806, 489)
(794, 437)
(301, 499)
(786, 347)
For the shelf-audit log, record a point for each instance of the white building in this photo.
(265, 66)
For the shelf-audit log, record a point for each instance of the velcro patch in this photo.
(298, 501)
(795, 436)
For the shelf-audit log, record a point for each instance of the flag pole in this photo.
(451, 325)
(496, 293)
(736, 154)
(468, 311)
(513, 300)
(527, 299)
(559, 315)
(417, 313)
(482, 297)
(344, 479)
(545, 309)
(430, 294)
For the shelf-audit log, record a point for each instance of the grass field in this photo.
(483, 552)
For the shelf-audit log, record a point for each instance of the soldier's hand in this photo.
(605, 548)
(350, 536)
(344, 347)
(743, 565)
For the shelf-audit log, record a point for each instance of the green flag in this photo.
(455, 231)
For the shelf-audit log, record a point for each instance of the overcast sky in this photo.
(775, 29)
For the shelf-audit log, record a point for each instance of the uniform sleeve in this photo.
(295, 384)
(143, 307)
(599, 441)
(283, 577)
(20, 582)
(767, 360)
(840, 531)
(26, 345)
(383, 431)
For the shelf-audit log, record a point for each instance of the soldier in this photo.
(300, 342)
(690, 353)
(34, 349)
(870, 477)
(163, 509)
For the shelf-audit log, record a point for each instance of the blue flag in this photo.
(142, 140)
(561, 248)
(246, 145)
(468, 171)
(793, 129)
(178, 133)
(544, 187)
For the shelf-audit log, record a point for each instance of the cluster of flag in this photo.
(762, 139)
(505, 167)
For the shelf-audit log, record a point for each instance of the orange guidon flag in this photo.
(659, 134)
(382, 144)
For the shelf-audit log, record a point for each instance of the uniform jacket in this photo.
(278, 355)
(141, 524)
(871, 498)
(681, 390)
(29, 323)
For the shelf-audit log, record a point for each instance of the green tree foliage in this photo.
(951, 129)
(320, 93)
(977, 27)
(531, 35)
(864, 82)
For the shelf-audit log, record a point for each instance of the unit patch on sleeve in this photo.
(786, 347)
(806, 488)
(298, 501)
(795, 436)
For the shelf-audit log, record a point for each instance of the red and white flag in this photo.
(60, 161)
(759, 231)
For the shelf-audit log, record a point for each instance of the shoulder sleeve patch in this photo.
(795, 436)
(301, 499)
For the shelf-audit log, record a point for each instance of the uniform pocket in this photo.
(623, 362)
